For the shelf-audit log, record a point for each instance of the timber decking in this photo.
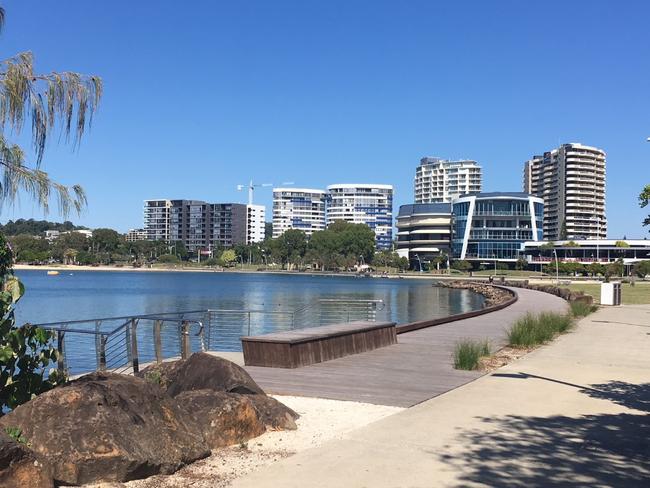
(415, 369)
(299, 348)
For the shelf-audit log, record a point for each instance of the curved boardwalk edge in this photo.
(417, 368)
(422, 324)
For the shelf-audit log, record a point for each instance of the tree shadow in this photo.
(587, 450)
(592, 450)
(629, 395)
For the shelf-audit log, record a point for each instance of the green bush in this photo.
(532, 330)
(169, 258)
(582, 309)
(467, 353)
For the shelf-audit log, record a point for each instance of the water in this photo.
(91, 294)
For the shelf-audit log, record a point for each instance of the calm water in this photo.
(88, 294)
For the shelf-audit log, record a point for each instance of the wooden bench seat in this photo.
(301, 347)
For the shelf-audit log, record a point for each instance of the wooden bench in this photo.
(297, 348)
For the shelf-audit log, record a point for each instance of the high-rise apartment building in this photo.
(298, 208)
(255, 223)
(571, 180)
(202, 226)
(363, 204)
(440, 181)
(157, 219)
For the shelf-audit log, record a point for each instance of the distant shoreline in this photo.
(72, 268)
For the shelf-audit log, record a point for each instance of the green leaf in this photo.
(6, 353)
(14, 287)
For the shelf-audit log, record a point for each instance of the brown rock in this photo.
(224, 418)
(275, 415)
(20, 468)
(108, 427)
(202, 371)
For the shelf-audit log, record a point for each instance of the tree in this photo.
(228, 257)
(290, 247)
(461, 265)
(521, 263)
(642, 269)
(169, 259)
(28, 248)
(644, 199)
(66, 100)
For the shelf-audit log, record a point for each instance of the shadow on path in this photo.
(589, 450)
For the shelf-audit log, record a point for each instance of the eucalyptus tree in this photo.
(46, 103)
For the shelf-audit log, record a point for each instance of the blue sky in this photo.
(203, 95)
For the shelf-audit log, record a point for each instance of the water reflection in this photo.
(90, 294)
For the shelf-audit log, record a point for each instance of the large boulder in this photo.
(19, 467)
(224, 418)
(108, 427)
(202, 371)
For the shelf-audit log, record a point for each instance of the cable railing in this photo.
(123, 344)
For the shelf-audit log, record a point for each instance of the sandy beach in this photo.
(320, 421)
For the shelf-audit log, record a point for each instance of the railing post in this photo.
(102, 352)
(98, 343)
(249, 322)
(135, 360)
(185, 340)
(127, 344)
(157, 341)
(207, 332)
(60, 347)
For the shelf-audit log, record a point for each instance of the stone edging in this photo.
(423, 324)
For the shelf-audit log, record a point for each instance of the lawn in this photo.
(631, 295)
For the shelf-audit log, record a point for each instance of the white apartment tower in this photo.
(298, 208)
(255, 223)
(363, 204)
(571, 180)
(157, 221)
(440, 180)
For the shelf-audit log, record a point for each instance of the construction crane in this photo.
(251, 188)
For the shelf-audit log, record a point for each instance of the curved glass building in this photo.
(494, 226)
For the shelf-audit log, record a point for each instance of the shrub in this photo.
(532, 330)
(582, 309)
(168, 258)
(467, 353)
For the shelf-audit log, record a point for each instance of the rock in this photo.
(20, 468)
(202, 371)
(108, 427)
(224, 418)
(275, 415)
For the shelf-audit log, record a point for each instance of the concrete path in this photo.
(416, 369)
(573, 413)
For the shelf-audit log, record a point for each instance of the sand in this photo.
(320, 421)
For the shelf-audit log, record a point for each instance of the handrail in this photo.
(117, 348)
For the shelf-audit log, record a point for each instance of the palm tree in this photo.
(64, 101)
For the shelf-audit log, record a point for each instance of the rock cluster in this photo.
(493, 295)
(110, 427)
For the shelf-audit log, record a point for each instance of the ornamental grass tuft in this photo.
(581, 309)
(468, 353)
(532, 330)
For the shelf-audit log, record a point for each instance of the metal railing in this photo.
(122, 344)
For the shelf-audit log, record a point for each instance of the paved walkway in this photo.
(416, 369)
(573, 413)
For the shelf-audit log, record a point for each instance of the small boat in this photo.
(52, 272)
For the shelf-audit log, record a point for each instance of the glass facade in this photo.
(499, 224)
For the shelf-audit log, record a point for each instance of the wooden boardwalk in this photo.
(416, 369)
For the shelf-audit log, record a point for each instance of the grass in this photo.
(468, 353)
(533, 330)
(631, 295)
(507, 272)
(581, 309)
